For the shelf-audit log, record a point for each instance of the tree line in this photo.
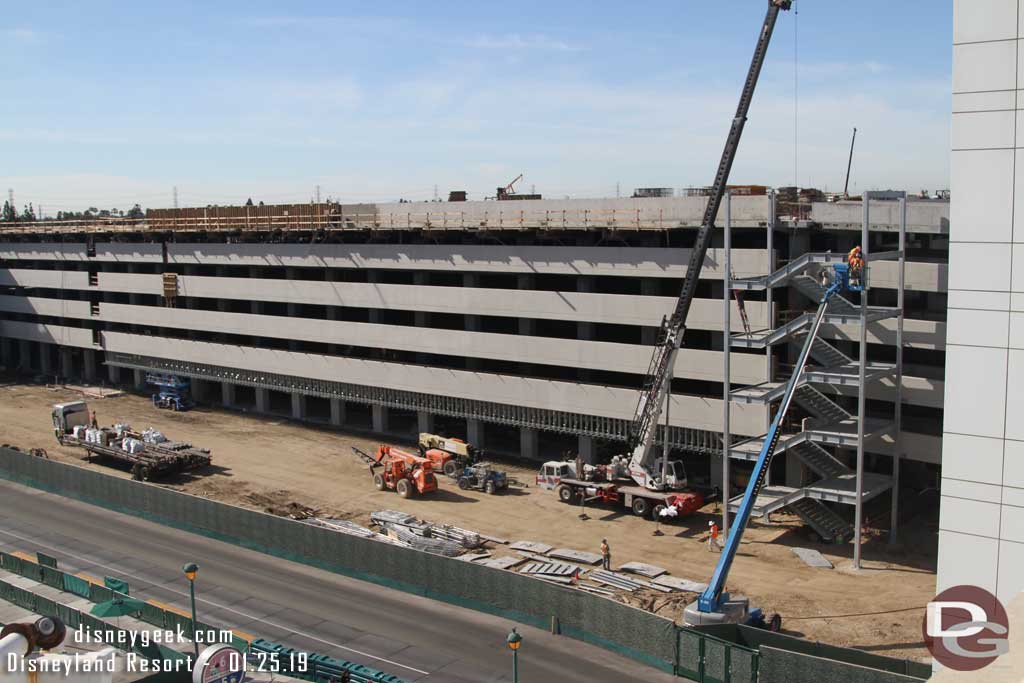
(28, 214)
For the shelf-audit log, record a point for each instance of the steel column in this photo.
(898, 446)
(861, 389)
(727, 343)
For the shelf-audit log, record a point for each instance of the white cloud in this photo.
(516, 41)
(22, 35)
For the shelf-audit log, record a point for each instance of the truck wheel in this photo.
(656, 512)
(489, 488)
(641, 507)
(137, 472)
(378, 482)
(144, 474)
(451, 468)
(404, 488)
(775, 623)
(464, 483)
(565, 493)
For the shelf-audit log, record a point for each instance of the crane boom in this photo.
(659, 374)
(712, 597)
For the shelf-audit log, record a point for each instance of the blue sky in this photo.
(112, 103)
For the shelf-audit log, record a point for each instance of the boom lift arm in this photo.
(659, 375)
(714, 597)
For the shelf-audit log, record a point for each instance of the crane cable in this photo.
(796, 97)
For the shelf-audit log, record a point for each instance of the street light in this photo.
(514, 640)
(191, 569)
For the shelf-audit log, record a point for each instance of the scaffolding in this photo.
(830, 426)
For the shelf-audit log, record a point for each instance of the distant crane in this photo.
(504, 192)
(849, 163)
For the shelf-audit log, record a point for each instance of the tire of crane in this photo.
(489, 488)
(641, 507)
(565, 493)
(658, 509)
(464, 483)
(404, 488)
(378, 482)
(451, 468)
(775, 623)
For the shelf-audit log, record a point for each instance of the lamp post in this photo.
(514, 640)
(191, 569)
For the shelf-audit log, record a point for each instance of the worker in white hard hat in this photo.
(712, 536)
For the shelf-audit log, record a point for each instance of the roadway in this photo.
(300, 606)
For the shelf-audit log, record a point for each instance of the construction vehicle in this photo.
(483, 477)
(715, 605)
(406, 473)
(667, 485)
(449, 455)
(173, 392)
(149, 453)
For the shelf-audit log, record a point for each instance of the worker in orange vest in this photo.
(856, 262)
(712, 537)
(606, 555)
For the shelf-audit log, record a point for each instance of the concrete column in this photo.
(6, 351)
(67, 362)
(24, 354)
(380, 418)
(134, 298)
(45, 358)
(114, 374)
(475, 432)
(472, 321)
(649, 287)
(89, 365)
(586, 450)
(374, 314)
(337, 412)
(424, 421)
(528, 443)
(526, 325)
(222, 304)
(794, 470)
(227, 394)
(262, 400)
(298, 406)
(139, 380)
(716, 473)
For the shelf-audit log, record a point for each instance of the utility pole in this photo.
(175, 196)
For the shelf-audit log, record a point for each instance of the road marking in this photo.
(213, 604)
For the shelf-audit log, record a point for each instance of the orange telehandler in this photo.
(400, 471)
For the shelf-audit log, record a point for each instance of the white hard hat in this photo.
(711, 523)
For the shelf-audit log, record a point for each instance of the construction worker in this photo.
(856, 262)
(712, 537)
(92, 420)
(606, 555)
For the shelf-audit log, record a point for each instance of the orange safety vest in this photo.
(714, 531)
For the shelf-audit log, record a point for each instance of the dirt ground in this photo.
(265, 463)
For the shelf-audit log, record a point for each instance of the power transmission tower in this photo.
(435, 193)
(10, 196)
(317, 194)
(618, 192)
(175, 196)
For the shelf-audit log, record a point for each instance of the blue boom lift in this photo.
(173, 392)
(715, 606)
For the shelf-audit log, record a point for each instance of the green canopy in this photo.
(118, 607)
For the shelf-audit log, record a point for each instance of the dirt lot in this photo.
(260, 462)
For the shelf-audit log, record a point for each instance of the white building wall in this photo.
(981, 523)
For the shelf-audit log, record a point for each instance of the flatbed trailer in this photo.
(641, 501)
(148, 460)
(152, 462)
